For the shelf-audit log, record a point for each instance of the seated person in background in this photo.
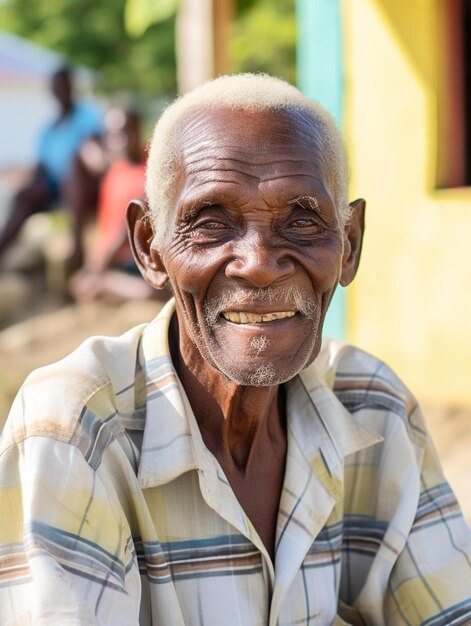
(58, 147)
(224, 465)
(109, 271)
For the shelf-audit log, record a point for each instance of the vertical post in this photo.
(320, 76)
(202, 36)
(223, 16)
(194, 43)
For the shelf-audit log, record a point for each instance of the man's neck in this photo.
(65, 111)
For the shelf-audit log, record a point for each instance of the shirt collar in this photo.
(167, 448)
(172, 444)
(325, 431)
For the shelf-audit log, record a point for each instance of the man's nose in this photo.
(259, 262)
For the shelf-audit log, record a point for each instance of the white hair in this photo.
(253, 91)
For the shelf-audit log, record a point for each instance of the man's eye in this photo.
(210, 225)
(304, 222)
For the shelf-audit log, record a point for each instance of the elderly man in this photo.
(220, 466)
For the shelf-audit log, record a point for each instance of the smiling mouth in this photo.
(243, 317)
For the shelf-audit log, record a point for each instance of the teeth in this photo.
(254, 318)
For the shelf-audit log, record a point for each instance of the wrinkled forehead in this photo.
(248, 136)
(290, 129)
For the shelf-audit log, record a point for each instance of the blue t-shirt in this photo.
(60, 142)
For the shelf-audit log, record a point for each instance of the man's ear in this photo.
(353, 241)
(141, 236)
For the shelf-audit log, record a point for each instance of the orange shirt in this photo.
(122, 182)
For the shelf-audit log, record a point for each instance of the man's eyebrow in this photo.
(197, 206)
(307, 202)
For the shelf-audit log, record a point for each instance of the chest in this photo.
(202, 553)
(258, 492)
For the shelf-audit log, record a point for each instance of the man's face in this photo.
(253, 249)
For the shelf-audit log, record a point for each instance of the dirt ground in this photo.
(46, 338)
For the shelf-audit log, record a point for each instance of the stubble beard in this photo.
(266, 374)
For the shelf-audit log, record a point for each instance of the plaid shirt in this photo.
(113, 511)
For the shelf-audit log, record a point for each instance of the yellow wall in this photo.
(411, 302)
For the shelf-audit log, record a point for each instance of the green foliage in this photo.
(264, 38)
(140, 14)
(241, 6)
(93, 34)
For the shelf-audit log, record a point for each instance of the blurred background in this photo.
(396, 75)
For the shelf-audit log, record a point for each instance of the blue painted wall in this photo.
(320, 76)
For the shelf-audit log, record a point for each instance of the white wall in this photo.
(25, 107)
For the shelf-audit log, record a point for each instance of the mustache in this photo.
(291, 296)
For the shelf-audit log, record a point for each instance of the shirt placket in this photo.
(305, 507)
(218, 495)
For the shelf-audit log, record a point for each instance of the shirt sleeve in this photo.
(430, 584)
(66, 557)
